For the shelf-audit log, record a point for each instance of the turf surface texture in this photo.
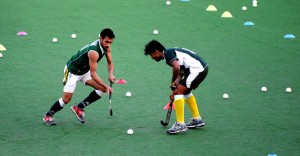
(241, 60)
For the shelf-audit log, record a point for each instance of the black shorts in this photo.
(195, 82)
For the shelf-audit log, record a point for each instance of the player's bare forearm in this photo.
(175, 83)
(98, 80)
(176, 73)
(110, 68)
(178, 78)
(93, 57)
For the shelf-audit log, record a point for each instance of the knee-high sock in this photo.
(191, 102)
(57, 106)
(179, 105)
(93, 96)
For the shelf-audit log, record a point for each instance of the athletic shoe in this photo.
(177, 128)
(78, 112)
(49, 120)
(194, 123)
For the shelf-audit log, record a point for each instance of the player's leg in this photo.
(179, 103)
(59, 104)
(95, 95)
(179, 126)
(191, 100)
(192, 104)
(69, 88)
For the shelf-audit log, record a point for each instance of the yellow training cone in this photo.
(2, 48)
(226, 14)
(211, 8)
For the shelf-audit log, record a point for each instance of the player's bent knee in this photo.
(96, 86)
(179, 90)
(67, 98)
(101, 88)
(104, 90)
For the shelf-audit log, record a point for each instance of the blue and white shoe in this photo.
(177, 128)
(194, 123)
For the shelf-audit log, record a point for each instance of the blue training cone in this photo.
(249, 23)
(289, 36)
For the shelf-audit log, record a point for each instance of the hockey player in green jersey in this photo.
(83, 67)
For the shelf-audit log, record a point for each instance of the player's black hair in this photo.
(107, 32)
(153, 45)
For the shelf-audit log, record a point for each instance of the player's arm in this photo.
(110, 66)
(176, 74)
(93, 57)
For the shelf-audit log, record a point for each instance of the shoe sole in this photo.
(177, 132)
(49, 124)
(82, 121)
(196, 126)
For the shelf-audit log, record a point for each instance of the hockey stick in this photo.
(168, 115)
(109, 98)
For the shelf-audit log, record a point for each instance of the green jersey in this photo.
(79, 63)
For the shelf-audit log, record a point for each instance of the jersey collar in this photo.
(101, 47)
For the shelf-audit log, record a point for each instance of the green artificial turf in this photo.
(241, 60)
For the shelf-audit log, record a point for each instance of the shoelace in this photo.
(174, 125)
(80, 112)
(49, 118)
